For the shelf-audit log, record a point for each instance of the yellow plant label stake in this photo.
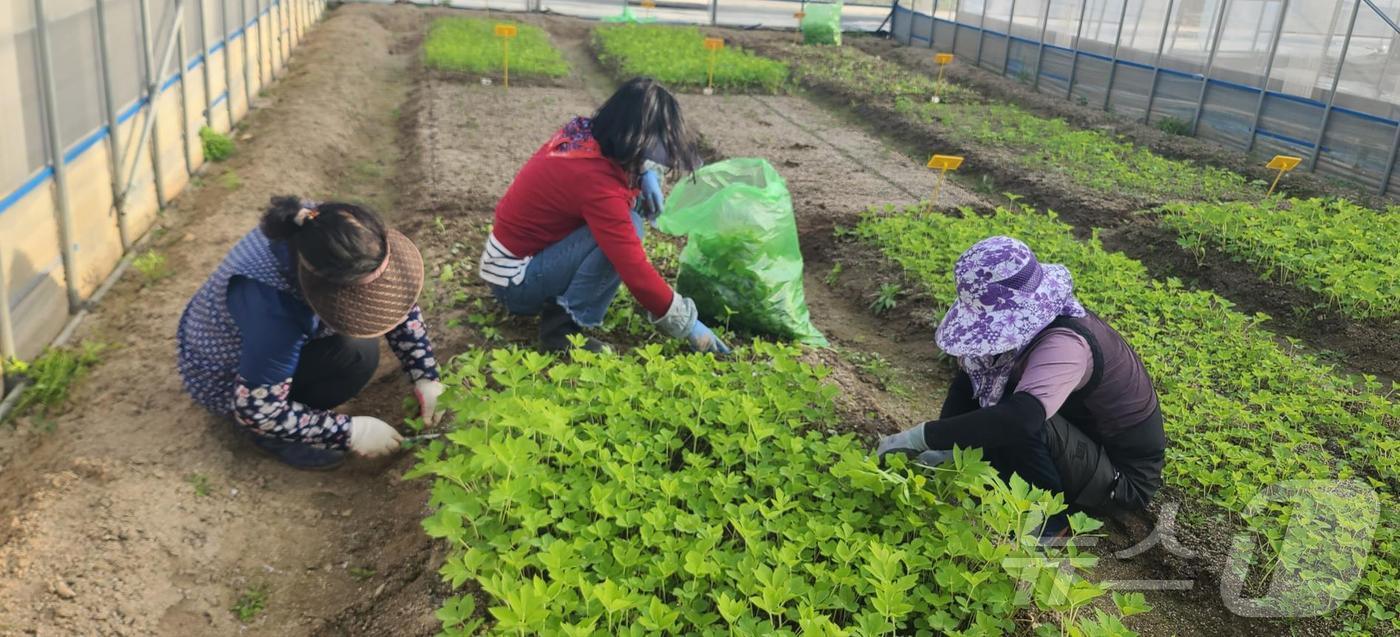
(943, 59)
(942, 164)
(713, 45)
(505, 32)
(1283, 164)
(648, 5)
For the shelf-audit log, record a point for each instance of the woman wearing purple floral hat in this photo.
(1046, 388)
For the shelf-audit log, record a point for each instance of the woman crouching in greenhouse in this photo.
(1046, 388)
(286, 330)
(569, 229)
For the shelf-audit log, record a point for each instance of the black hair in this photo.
(640, 115)
(342, 243)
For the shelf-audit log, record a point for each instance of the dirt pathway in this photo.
(140, 514)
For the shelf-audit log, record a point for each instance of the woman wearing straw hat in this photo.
(1046, 388)
(569, 229)
(286, 330)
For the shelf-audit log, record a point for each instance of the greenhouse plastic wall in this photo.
(1319, 79)
(102, 102)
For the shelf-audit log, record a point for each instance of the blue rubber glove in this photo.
(703, 340)
(652, 197)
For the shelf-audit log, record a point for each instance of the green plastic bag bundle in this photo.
(822, 24)
(741, 263)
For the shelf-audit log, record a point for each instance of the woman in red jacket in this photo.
(569, 229)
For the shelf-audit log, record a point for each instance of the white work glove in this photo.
(427, 393)
(372, 437)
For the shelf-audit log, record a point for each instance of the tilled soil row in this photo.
(1369, 346)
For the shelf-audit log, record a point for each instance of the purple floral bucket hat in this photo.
(1005, 298)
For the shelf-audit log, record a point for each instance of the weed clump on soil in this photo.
(230, 180)
(1174, 126)
(886, 299)
(1242, 412)
(250, 604)
(51, 377)
(695, 495)
(217, 146)
(470, 45)
(677, 57)
(201, 485)
(152, 266)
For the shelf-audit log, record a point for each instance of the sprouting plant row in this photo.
(684, 495)
(1242, 414)
(1333, 248)
(677, 57)
(1092, 159)
(1348, 254)
(470, 45)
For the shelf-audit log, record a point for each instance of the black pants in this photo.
(1063, 459)
(333, 370)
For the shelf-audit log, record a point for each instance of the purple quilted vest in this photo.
(209, 341)
(1119, 394)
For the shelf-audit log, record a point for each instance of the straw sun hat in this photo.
(375, 303)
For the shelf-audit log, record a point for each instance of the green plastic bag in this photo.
(741, 263)
(822, 24)
(628, 16)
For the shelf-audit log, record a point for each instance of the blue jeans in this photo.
(573, 273)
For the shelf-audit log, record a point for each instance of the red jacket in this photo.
(567, 184)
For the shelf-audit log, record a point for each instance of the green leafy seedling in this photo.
(251, 603)
(230, 180)
(51, 377)
(152, 266)
(887, 298)
(834, 275)
(1130, 604)
(201, 484)
(217, 146)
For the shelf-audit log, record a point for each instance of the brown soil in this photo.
(104, 532)
(1367, 346)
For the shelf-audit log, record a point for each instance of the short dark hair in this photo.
(639, 115)
(342, 243)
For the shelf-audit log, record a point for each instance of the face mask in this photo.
(657, 155)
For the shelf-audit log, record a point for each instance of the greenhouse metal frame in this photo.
(103, 102)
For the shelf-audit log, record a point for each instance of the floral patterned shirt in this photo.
(275, 325)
